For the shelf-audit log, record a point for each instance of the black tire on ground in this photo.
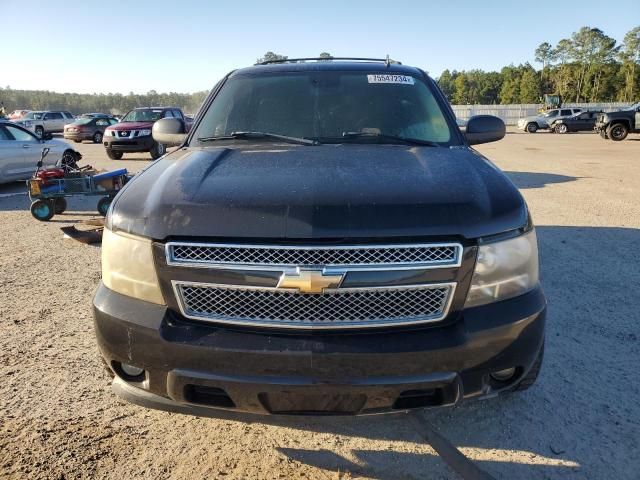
(59, 205)
(39, 131)
(617, 132)
(103, 205)
(157, 150)
(530, 378)
(78, 141)
(560, 128)
(97, 137)
(532, 127)
(113, 155)
(42, 210)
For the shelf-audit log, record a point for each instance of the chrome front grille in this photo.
(336, 308)
(240, 256)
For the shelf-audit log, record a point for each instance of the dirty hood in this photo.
(269, 191)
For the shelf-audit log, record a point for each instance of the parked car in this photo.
(345, 256)
(46, 122)
(617, 125)
(580, 122)
(21, 149)
(542, 122)
(88, 128)
(96, 115)
(17, 114)
(133, 132)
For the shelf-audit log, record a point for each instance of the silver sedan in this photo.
(20, 151)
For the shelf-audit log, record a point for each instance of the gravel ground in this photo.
(59, 419)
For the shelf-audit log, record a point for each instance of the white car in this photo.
(543, 121)
(46, 122)
(20, 151)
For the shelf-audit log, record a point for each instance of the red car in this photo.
(133, 132)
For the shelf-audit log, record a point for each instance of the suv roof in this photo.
(348, 65)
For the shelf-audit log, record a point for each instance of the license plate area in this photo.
(293, 403)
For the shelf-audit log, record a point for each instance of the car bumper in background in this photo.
(136, 144)
(191, 367)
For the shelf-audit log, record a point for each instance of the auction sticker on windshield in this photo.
(387, 78)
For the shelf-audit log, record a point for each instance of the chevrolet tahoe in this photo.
(324, 241)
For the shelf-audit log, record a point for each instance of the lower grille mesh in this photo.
(334, 309)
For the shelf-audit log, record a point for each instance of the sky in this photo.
(186, 46)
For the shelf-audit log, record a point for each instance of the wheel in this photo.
(97, 137)
(157, 150)
(603, 134)
(531, 376)
(103, 205)
(78, 141)
(532, 127)
(42, 210)
(113, 155)
(617, 132)
(59, 205)
(560, 128)
(39, 131)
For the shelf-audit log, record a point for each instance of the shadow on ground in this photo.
(527, 180)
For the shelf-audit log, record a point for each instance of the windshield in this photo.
(143, 115)
(326, 105)
(34, 115)
(634, 106)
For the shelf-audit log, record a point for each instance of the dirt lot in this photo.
(59, 419)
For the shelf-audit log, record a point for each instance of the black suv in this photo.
(324, 242)
(617, 125)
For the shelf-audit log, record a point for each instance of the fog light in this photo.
(131, 370)
(503, 375)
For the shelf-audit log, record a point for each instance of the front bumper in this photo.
(197, 368)
(128, 145)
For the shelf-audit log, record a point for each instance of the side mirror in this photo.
(47, 136)
(485, 129)
(169, 131)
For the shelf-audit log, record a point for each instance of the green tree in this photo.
(445, 82)
(529, 86)
(461, 86)
(510, 90)
(270, 57)
(630, 57)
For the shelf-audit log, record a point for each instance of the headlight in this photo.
(128, 267)
(144, 133)
(504, 270)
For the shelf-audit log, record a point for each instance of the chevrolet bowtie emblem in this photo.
(309, 281)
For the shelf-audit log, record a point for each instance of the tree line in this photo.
(589, 66)
(114, 103)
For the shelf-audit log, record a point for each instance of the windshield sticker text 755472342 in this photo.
(389, 78)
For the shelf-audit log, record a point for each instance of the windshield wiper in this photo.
(392, 138)
(255, 135)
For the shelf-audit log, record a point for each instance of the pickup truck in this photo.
(324, 241)
(46, 121)
(133, 132)
(617, 125)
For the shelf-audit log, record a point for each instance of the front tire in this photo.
(560, 128)
(532, 127)
(113, 155)
(617, 132)
(97, 137)
(42, 210)
(157, 150)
